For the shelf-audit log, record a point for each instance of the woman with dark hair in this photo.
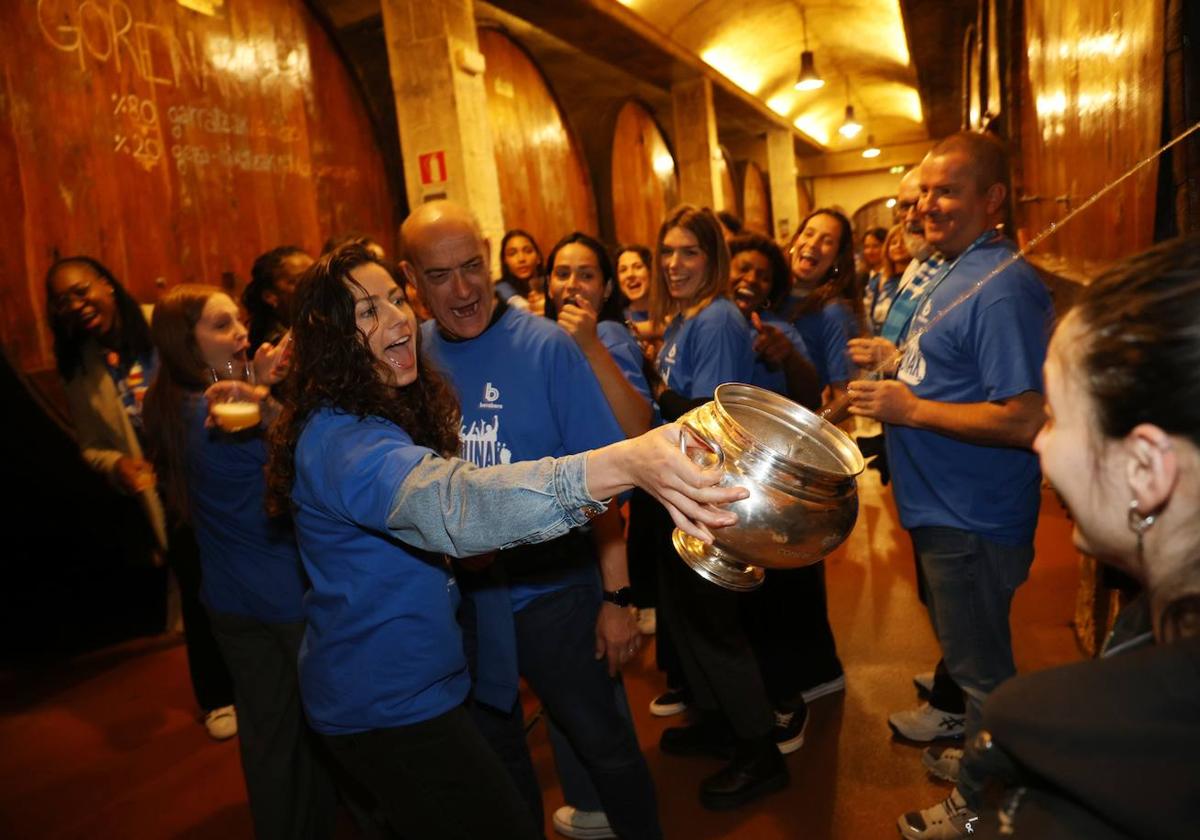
(760, 279)
(521, 271)
(582, 296)
(1106, 748)
(633, 276)
(268, 295)
(823, 305)
(106, 360)
(361, 455)
(787, 618)
(706, 343)
(251, 584)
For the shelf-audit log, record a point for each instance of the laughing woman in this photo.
(823, 306)
(360, 454)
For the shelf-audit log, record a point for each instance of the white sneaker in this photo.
(950, 819)
(647, 621)
(925, 723)
(221, 723)
(942, 762)
(924, 682)
(836, 684)
(588, 825)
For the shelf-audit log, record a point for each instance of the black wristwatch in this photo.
(623, 597)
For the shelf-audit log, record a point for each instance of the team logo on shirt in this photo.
(912, 367)
(491, 397)
(481, 445)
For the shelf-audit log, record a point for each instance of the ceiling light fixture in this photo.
(850, 127)
(809, 78)
(872, 151)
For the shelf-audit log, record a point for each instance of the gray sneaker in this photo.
(925, 723)
(950, 819)
(942, 762)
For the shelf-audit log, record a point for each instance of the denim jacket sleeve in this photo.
(451, 506)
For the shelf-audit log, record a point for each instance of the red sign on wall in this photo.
(433, 168)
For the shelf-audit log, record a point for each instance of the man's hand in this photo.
(869, 353)
(617, 636)
(885, 400)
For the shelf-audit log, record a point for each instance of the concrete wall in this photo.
(850, 192)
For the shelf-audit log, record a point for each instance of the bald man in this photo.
(540, 612)
(959, 420)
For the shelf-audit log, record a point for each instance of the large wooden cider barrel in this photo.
(756, 201)
(172, 144)
(544, 183)
(645, 185)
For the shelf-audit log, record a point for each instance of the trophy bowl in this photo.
(801, 472)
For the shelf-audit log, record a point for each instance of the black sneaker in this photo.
(789, 730)
(703, 738)
(673, 701)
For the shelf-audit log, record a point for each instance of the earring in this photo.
(1139, 524)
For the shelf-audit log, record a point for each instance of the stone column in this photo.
(781, 166)
(697, 153)
(441, 105)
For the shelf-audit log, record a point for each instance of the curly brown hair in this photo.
(332, 367)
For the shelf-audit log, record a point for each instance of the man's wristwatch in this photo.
(622, 597)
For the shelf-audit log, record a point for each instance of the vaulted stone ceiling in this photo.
(860, 50)
(898, 62)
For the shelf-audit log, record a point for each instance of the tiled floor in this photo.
(107, 746)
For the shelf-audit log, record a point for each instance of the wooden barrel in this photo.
(645, 185)
(728, 199)
(756, 201)
(172, 145)
(544, 183)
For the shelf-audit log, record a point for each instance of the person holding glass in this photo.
(252, 583)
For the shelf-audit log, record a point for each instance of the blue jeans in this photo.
(556, 641)
(970, 582)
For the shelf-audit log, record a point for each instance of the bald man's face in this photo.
(449, 263)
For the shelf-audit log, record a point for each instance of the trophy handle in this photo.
(705, 441)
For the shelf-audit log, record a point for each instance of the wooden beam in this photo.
(853, 163)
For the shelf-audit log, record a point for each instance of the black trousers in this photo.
(291, 791)
(787, 620)
(718, 659)
(556, 645)
(437, 780)
(211, 682)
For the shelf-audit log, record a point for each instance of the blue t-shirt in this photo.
(826, 333)
(382, 647)
(249, 563)
(990, 347)
(704, 351)
(526, 392)
(774, 379)
(626, 352)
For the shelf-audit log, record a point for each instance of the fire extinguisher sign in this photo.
(433, 168)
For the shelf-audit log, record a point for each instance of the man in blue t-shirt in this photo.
(960, 418)
(526, 392)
